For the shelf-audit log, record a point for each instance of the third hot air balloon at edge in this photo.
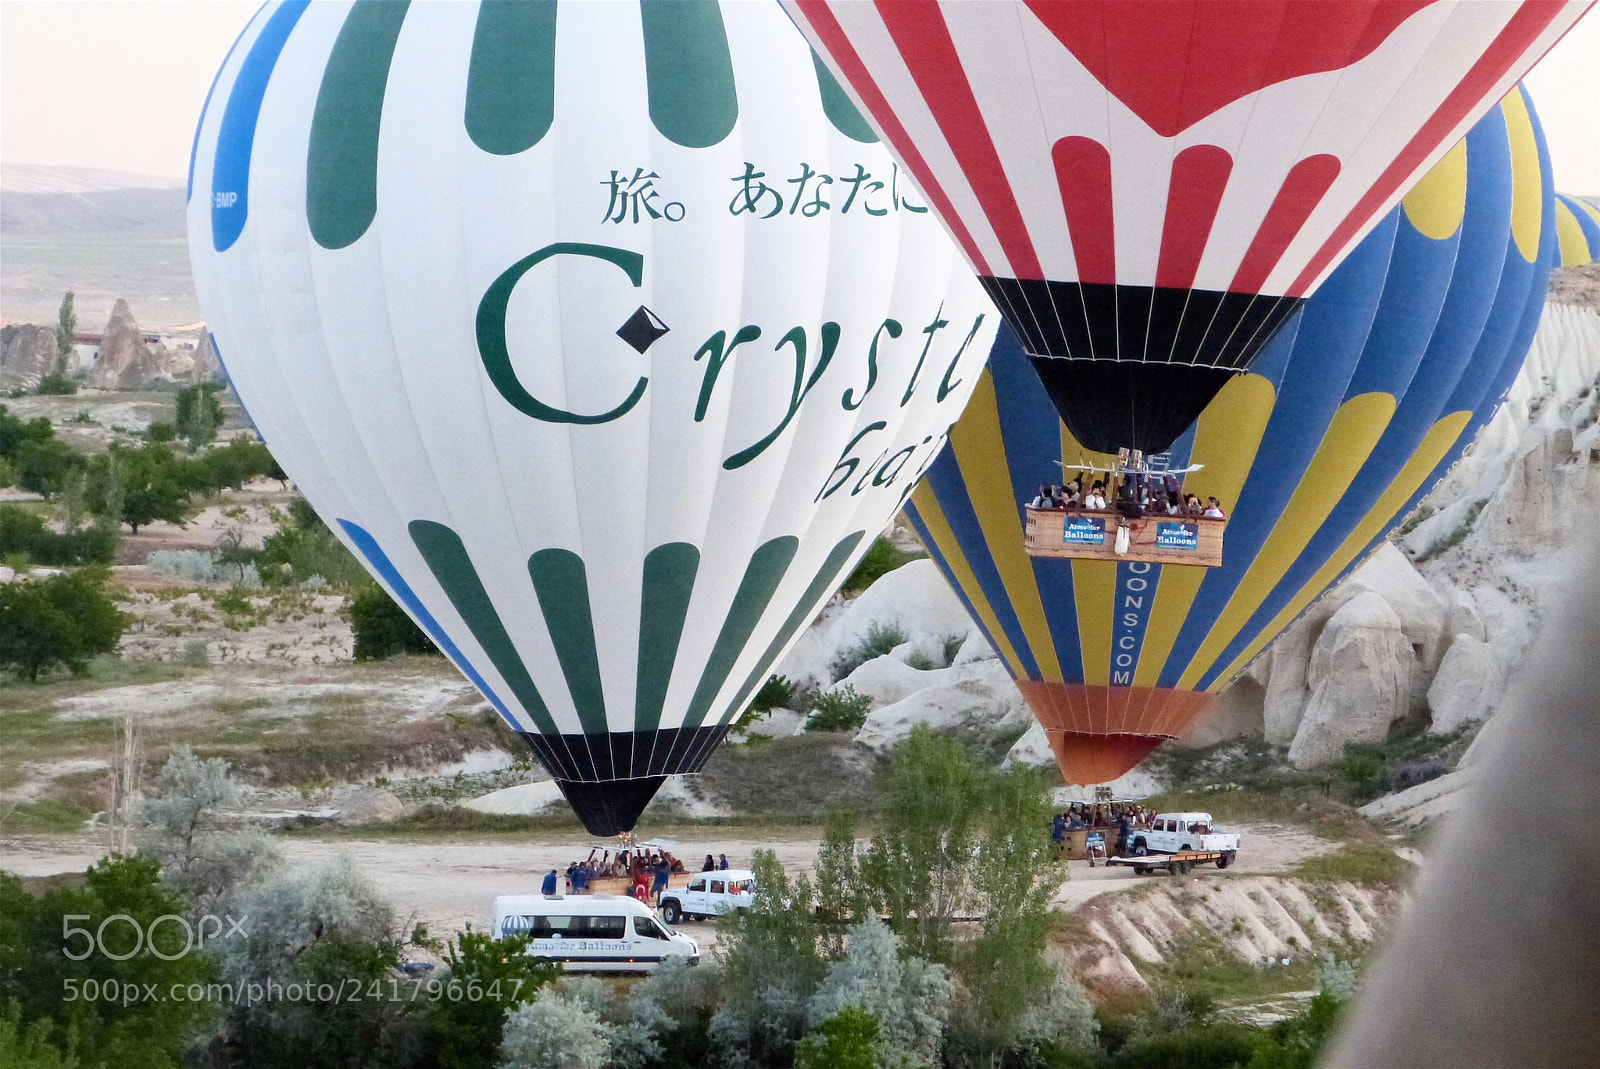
(1350, 415)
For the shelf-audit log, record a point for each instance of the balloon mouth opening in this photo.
(609, 778)
(610, 807)
(1134, 366)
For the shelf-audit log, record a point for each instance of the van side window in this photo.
(1183, 825)
(605, 927)
(647, 927)
(697, 884)
(716, 887)
(742, 887)
(577, 927)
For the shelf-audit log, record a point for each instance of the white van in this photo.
(591, 933)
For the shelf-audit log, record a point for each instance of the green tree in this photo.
(29, 1046)
(66, 331)
(63, 620)
(847, 1040)
(918, 869)
(22, 531)
(234, 464)
(467, 1033)
(47, 465)
(14, 432)
(55, 384)
(303, 546)
(772, 964)
(381, 628)
(329, 928)
(199, 413)
(161, 433)
(128, 1029)
(139, 486)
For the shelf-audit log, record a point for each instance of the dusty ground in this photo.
(447, 883)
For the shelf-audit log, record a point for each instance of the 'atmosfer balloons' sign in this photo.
(606, 334)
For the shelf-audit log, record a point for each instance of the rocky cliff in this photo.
(27, 354)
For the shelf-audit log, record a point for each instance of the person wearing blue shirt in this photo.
(722, 861)
(550, 883)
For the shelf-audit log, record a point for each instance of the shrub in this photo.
(839, 710)
(847, 1040)
(36, 974)
(56, 384)
(199, 413)
(467, 1032)
(196, 566)
(776, 693)
(555, 1031)
(161, 433)
(881, 559)
(23, 532)
(303, 546)
(63, 620)
(46, 466)
(382, 628)
(200, 852)
(881, 638)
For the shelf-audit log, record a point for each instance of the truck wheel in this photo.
(671, 912)
(1225, 860)
(1139, 870)
(1140, 849)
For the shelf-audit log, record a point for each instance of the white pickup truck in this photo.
(708, 894)
(1172, 833)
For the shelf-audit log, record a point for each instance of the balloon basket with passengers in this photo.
(1136, 512)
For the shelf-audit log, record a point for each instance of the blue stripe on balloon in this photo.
(921, 527)
(230, 174)
(1586, 223)
(1331, 335)
(194, 147)
(1485, 230)
(1031, 429)
(380, 563)
(944, 478)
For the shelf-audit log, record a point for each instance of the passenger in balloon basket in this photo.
(1214, 510)
(1191, 505)
(1096, 498)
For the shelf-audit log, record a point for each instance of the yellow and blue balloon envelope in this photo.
(1344, 422)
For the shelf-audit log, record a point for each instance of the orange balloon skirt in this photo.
(1099, 733)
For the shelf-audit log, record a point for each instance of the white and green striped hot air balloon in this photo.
(607, 335)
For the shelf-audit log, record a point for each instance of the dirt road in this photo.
(447, 883)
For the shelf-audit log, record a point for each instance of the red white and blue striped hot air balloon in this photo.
(1149, 189)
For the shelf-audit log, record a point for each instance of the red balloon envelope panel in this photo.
(1148, 190)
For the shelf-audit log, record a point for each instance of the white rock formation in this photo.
(1357, 678)
(986, 699)
(913, 598)
(1466, 687)
(1419, 609)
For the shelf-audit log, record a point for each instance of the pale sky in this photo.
(118, 84)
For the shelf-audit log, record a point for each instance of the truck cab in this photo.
(1172, 833)
(709, 894)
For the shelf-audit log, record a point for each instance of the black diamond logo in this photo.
(642, 330)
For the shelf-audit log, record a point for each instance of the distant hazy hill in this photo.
(83, 202)
(39, 178)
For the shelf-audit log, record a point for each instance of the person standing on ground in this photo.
(660, 885)
(550, 883)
